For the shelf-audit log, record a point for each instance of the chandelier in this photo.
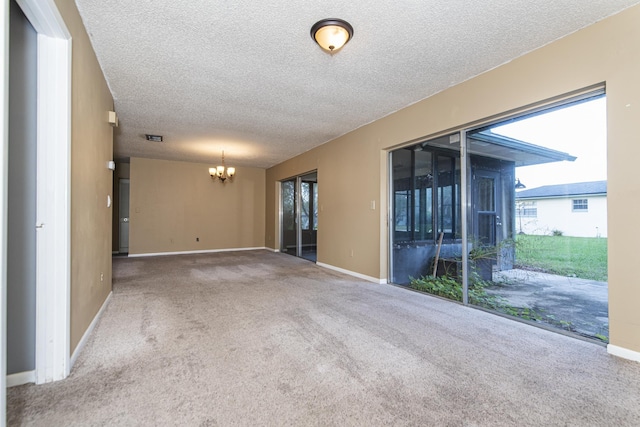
(222, 172)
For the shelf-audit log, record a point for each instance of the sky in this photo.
(579, 130)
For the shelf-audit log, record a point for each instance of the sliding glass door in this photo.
(289, 240)
(464, 226)
(300, 216)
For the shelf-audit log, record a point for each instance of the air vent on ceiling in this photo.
(154, 138)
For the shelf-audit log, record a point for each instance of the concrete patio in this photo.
(581, 303)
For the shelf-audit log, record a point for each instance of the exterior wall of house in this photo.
(171, 204)
(353, 169)
(558, 214)
(91, 181)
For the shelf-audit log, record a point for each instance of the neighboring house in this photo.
(578, 209)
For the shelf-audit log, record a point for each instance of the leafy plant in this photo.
(602, 337)
(483, 252)
(451, 288)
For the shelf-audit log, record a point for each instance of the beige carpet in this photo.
(258, 338)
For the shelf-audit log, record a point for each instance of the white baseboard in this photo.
(353, 273)
(623, 352)
(21, 378)
(207, 251)
(88, 332)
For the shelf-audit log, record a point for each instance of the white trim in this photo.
(45, 18)
(4, 130)
(353, 273)
(21, 378)
(625, 353)
(53, 253)
(53, 210)
(89, 331)
(207, 251)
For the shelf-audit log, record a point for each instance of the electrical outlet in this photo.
(102, 277)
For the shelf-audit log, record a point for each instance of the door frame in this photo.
(297, 190)
(53, 237)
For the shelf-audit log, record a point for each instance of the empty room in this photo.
(311, 213)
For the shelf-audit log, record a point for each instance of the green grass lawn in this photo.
(584, 257)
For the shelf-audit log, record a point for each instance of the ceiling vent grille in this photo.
(154, 138)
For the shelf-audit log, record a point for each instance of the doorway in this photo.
(299, 223)
(53, 148)
(486, 208)
(21, 213)
(123, 215)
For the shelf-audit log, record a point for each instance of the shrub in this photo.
(557, 233)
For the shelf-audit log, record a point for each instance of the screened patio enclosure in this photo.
(427, 201)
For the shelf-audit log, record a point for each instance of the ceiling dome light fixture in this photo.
(331, 34)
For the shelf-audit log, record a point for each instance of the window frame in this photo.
(412, 234)
(580, 205)
(528, 209)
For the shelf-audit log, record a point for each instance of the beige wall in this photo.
(173, 203)
(352, 171)
(91, 149)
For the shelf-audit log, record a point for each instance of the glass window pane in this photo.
(402, 211)
(486, 229)
(288, 205)
(304, 205)
(542, 239)
(315, 206)
(423, 199)
(486, 195)
(581, 205)
(445, 196)
(402, 185)
(456, 203)
(288, 217)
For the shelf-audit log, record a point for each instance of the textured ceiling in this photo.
(245, 76)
